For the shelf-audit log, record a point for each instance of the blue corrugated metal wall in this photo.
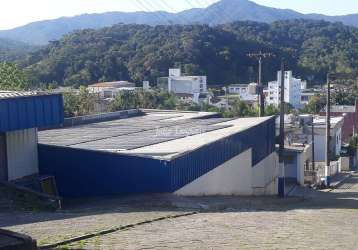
(31, 112)
(87, 173)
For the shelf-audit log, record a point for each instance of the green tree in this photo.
(12, 78)
(71, 104)
(315, 105)
(239, 109)
(79, 104)
(353, 142)
(147, 99)
(167, 100)
(271, 110)
(242, 109)
(86, 101)
(123, 101)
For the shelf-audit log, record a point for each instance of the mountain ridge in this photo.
(224, 11)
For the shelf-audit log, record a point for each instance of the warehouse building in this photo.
(186, 153)
(21, 115)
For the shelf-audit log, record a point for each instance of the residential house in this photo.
(350, 118)
(242, 90)
(320, 137)
(110, 89)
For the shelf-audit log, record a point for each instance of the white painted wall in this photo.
(320, 147)
(320, 143)
(231, 178)
(243, 92)
(175, 72)
(187, 84)
(292, 90)
(264, 177)
(22, 153)
(344, 163)
(236, 177)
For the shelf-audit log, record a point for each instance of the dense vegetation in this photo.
(83, 103)
(12, 78)
(12, 50)
(141, 52)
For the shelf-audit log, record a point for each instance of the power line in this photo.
(144, 6)
(164, 3)
(159, 12)
(228, 16)
(260, 56)
(215, 12)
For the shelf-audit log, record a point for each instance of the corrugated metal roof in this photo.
(14, 94)
(320, 121)
(115, 84)
(343, 109)
(148, 135)
(130, 133)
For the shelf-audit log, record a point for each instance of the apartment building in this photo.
(293, 90)
(194, 88)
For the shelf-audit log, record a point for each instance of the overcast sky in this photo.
(15, 13)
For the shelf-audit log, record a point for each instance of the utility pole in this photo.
(259, 56)
(328, 132)
(281, 179)
(313, 145)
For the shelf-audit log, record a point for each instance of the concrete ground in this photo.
(323, 220)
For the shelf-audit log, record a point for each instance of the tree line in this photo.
(141, 52)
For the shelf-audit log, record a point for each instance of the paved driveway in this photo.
(326, 220)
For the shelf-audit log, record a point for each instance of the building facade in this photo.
(195, 86)
(110, 89)
(320, 137)
(350, 119)
(243, 91)
(293, 88)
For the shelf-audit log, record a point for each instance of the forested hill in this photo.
(138, 52)
(11, 50)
